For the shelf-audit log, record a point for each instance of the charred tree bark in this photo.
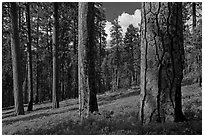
(55, 90)
(15, 50)
(86, 62)
(162, 59)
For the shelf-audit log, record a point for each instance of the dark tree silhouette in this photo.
(29, 61)
(55, 99)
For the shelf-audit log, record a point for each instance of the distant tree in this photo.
(192, 33)
(162, 60)
(100, 23)
(106, 73)
(116, 44)
(197, 51)
(55, 90)
(86, 56)
(7, 77)
(67, 50)
(15, 48)
(29, 61)
(132, 52)
(197, 48)
(37, 58)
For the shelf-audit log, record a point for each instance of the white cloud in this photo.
(126, 19)
(107, 30)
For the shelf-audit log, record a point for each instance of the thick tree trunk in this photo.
(55, 99)
(162, 58)
(86, 62)
(29, 56)
(15, 49)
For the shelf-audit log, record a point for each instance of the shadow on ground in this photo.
(44, 110)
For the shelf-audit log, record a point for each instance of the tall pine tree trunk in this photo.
(99, 79)
(55, 90)
(162, 58)
(131, 62)
(37, 70)
(50, 45)
(194, 15)
(29, 60)
(75, 64)
(92, 55)
(15, 50)
(25, 87)
(86, 62)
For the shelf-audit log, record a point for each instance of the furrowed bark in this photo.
(86, 62)
(162, 58)
(15, 51)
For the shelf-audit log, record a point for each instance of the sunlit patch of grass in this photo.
(118, 116)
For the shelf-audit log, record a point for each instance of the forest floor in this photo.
(118, 110)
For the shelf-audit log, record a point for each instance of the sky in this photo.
(126, 12)
(113, 9)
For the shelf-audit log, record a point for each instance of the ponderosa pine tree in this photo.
(37, 58)
(100, 36)
(162, 59)
(132, 52)
(55, 98)
(116, 44)
(29, 61)
(15, 49)
(86, 56)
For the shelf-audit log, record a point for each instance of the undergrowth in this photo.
(118, 116)
(123, 124)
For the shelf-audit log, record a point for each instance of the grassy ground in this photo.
(118, 110)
